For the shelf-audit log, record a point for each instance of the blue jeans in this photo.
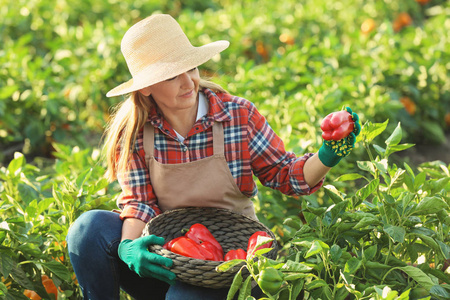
(93, 240)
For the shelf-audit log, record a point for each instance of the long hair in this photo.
(127, 119)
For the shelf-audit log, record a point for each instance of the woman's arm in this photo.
(314, 170)
(132, 228)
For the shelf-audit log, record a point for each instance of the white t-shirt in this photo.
(202, 110)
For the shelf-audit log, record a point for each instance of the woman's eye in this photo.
(173, 78)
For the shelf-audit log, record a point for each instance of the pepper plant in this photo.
(37, 211)
(388, 239)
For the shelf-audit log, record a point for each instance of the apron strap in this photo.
(149, 138)
(218, 138)
(148, 141)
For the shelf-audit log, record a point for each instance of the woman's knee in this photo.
(93, 226)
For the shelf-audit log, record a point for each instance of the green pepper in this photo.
(270, 280)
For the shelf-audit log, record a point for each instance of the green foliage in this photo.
(381, 232)
(388, 239)
(37, 211)
(301, 60)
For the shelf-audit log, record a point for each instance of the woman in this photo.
(178, 141)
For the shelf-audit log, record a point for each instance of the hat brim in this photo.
(166, 69)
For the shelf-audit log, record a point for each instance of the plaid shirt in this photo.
(251, 148)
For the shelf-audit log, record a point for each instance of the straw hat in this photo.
(157, 49)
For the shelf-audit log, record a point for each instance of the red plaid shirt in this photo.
(251, 148)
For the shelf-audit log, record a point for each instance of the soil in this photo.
(424, 153)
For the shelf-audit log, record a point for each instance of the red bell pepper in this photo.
(169, 244)
(253, 240)
(217, 254)
(337, 125)
(235, 254)
(187, 247)
(199, 234)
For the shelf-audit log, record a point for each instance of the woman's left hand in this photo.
(136, 255)
(340, 132)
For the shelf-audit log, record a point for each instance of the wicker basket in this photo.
(232, 231)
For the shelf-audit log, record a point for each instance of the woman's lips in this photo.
(188, 94)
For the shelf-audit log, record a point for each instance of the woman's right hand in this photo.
(145, 263)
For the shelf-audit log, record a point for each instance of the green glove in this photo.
(145, 263)
(332, 151)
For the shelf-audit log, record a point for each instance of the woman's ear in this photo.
(145, 91)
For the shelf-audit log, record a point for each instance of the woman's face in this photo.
(177, 93)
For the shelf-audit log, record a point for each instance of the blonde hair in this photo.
(127, 119)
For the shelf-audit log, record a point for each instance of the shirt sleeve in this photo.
(271, 163)
(137, 199)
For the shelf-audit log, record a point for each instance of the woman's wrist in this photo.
(132, 228)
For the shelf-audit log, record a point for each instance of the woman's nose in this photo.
(187, 80)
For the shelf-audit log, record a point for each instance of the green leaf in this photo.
(235, 285)
(295, 276)
(262, 251)
(381, 165)
(370, 252)
(246, 289)
(404, 295)
(297, 288)
(58, 269)
(372, 130)
(352, 265)
(350, 176)
(21, 277)
(3, 289)
(6, 263)
(315, 284)
(317, 247)
(368, 189)
(31, 209)
(83, 177)
(439, 291)
(380, 150)
(333, 193)
(43, 205)
(395, 137)
(430, 205)
(445, 249)
(409, 170)
(366, 221)
(419, 276)
(318, 211)
(335, 253)
(16, 165)
(398, 148)
(292, 266)
(294, 223)
(366, 166)
(262, 240)
(395, 232)
(228, 265)
(419, 180)
(435, 186)
(397, 179)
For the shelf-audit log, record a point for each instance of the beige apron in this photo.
(202, 183)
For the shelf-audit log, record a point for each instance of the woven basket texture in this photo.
(232, 231)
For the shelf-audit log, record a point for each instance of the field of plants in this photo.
(380, 226)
